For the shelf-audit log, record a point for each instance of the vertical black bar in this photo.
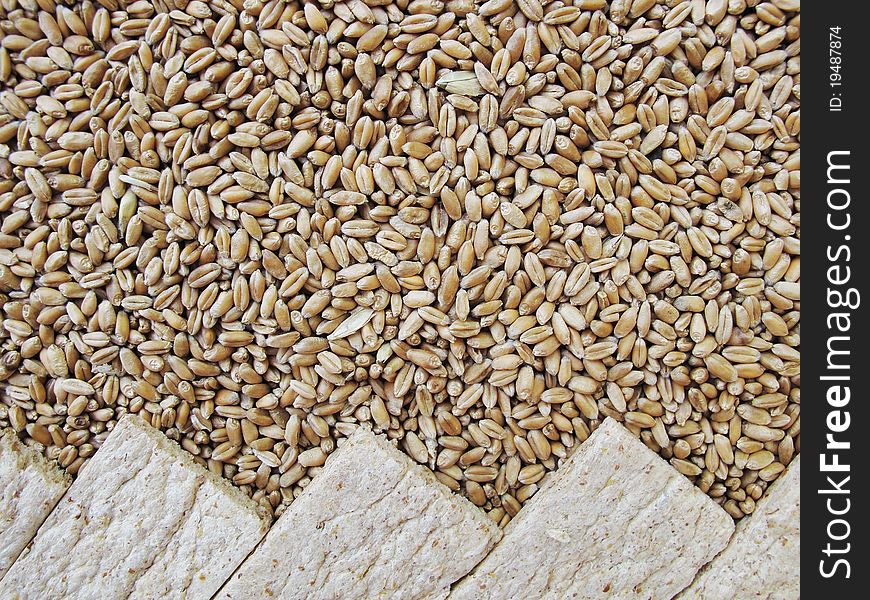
(834, 258)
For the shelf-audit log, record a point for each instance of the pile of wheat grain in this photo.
(480, 227)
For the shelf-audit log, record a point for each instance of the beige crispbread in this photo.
(616, 521)
(142, 520)
(373, 524)
(762, 560)
(30, 486)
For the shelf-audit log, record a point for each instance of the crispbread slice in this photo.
(615, 521)
(762, 560)
(142, 520)
(30, 486)
(372, 524)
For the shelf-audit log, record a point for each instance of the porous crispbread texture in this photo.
(372, 524)
(762, 560)
(142, 520)
(30, 486)
(615, 521)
